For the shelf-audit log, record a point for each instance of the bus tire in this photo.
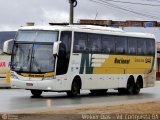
(137, 87)
(131, 86)
(36, 93)
(75, 89)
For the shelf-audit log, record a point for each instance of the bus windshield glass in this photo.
(37, 36)
(36, 55)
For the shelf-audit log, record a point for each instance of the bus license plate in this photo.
(29, 84)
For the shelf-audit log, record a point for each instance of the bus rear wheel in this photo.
(137, 88)
(75, 90)
(36, 93)
(131, 86)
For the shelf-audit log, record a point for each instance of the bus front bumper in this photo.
(45, 85)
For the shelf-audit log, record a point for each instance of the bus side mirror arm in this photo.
(55, 55)
(8, 46)
(56, 48)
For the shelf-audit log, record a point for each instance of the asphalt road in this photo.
(16, 100)
(3, 83)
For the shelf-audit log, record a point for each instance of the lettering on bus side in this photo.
(121, 61)
(85, 66)
(148, 60)
(139, 60)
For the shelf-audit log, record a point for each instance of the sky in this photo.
(16, 13)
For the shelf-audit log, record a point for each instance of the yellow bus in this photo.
(72, 58)
(5, 58)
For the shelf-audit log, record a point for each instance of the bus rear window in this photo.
(150, 47)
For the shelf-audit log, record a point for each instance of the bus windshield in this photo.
(37, 36)
(36, 55)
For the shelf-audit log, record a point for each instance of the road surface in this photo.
(12, 100)
(3, 83)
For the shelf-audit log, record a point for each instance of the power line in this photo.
(117, 1)
(158, 1)
(102, 2)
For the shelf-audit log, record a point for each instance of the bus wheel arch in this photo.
(75, 87)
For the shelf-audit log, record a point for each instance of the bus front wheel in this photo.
(36, 93)
(75, 89)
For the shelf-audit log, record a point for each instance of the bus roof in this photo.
(89, 29)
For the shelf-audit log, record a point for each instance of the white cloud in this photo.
(8, 28)
(15, 13)
(54, 15)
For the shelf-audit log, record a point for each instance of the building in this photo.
(128, 23)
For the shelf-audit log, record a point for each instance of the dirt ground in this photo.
(141, 108)
(139, 111)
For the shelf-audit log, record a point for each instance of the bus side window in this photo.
(64, 53)
(141, 46)
(108, 44)
(121, 45)
(150, 47)
(81, 46)
(80, 40)
(132, 46)
(94, 43)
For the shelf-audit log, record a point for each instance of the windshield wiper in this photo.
(27, 59)
(34, 61)
(28, 54)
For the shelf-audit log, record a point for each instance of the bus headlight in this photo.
(48, 78)
(14, 76)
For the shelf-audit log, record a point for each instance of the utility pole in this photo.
(73, 3)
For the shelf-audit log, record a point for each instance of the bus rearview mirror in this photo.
(8, 46)
(56, 47)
